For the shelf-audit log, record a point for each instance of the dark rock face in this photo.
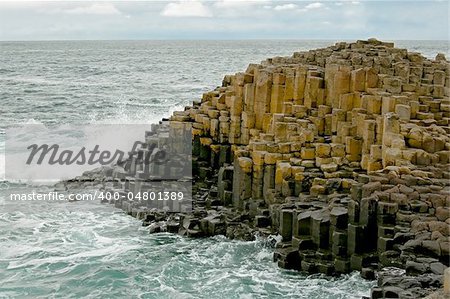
(343, 151)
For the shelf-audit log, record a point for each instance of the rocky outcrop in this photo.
(343, 151)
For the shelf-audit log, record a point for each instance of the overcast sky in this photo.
(225, 19)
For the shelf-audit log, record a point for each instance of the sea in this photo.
(85, 249)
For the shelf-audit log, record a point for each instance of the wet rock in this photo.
(368, 273)
(437, 268)
(414, 268)
(262, 221)
(392, 292)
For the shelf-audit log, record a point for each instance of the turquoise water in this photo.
(86, 249)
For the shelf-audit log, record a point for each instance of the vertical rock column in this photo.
(338, 238)
(393, 141)
(320, 233)
(263, 92)
(242, 181)
(362, 233)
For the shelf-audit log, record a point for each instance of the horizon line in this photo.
(236, 39)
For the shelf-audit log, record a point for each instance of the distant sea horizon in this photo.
(237, 39)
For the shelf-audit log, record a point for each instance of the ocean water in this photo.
(86, 249)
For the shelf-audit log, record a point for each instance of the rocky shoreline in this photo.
(341, 151)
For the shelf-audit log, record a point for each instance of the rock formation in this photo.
(343, 151)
